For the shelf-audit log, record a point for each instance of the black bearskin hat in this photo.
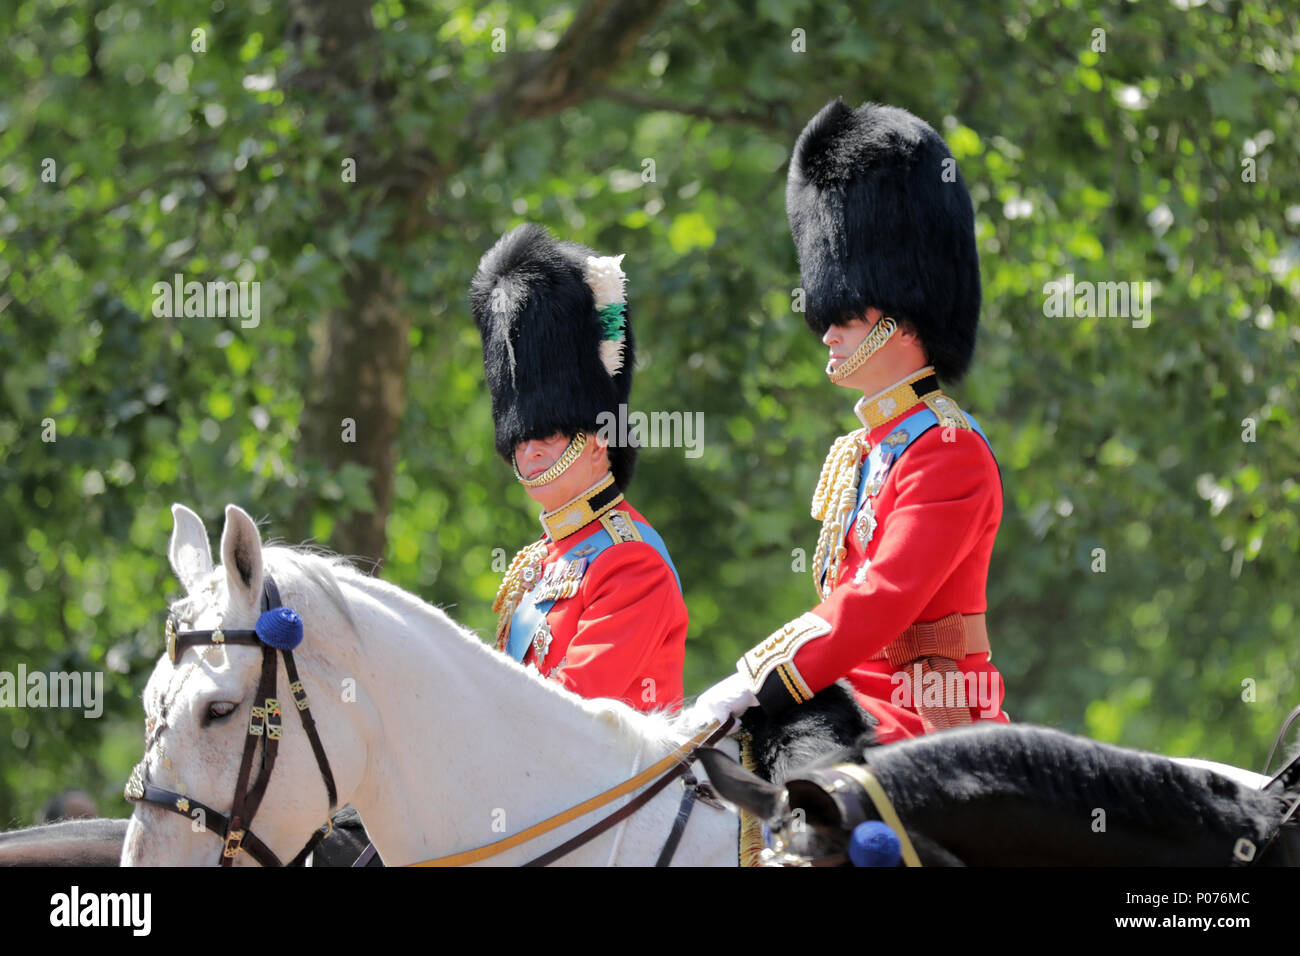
(553, 361)
(881, 217)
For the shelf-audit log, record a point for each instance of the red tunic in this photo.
(937, 516)
(623, 635)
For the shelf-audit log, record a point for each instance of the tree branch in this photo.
(767, 120)
(542, 82)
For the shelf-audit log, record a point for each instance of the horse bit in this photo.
(278, 629)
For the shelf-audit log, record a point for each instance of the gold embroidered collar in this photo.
(888, 403)
(601, 497)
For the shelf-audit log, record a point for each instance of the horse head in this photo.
(201, 707)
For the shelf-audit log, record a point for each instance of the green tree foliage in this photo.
(1113, 142)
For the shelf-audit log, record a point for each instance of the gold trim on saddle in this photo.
(575, 515)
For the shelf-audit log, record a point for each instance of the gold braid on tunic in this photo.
(513, 587)
(832, 503)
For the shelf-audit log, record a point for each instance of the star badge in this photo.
(541, 642)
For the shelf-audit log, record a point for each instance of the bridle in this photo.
(278, 629)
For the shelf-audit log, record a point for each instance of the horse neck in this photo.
(468, 746)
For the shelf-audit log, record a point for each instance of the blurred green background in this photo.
(1114, 141)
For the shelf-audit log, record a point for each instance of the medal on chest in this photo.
(541, 642)
(531, 573)
(560, 580)
(866, 524)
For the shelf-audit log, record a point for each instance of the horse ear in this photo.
(241, 553)
(190, 555)
(737, 785)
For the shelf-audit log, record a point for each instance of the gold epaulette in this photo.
(620, 527)
(947, 411)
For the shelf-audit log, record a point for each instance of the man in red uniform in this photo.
(910, 503)
(595, 603)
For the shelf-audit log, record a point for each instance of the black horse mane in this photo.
(1018, 788)
(829, 724)
(1060, 771)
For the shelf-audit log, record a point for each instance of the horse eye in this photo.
(220, 709)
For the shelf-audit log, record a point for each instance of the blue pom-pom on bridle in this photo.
(280, 627)
(874, 844)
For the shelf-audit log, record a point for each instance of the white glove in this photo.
(731, 695)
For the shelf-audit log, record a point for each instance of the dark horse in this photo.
(1008, 794)
(99, 843)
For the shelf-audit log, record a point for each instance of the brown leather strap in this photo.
(692, 787)
(633, 805)
(212, 819)
(939, 646)
(309, 724)
(247, 799)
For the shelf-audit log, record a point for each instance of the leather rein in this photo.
(279, 629)
(676, 764)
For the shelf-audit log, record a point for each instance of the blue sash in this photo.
(888, 450)
(530, 614)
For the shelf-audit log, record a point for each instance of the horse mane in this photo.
(329, 571)
(800, 736)
(1062, 771)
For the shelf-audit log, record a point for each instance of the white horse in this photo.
(441, 743)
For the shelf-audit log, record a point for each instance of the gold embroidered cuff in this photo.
(769, 667)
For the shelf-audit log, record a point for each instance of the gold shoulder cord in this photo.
(512, 588)
(832, 503)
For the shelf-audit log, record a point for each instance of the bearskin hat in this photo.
(881, 217)
(557, 344)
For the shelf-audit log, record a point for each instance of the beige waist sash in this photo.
(939, 646)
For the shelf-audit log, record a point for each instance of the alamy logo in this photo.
(656, 430)
(921, 688)
(1104, 300)
(215, 299)
(55, 689)
(102, 909)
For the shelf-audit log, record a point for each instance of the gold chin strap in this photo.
(561, 465)
(877, 337)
